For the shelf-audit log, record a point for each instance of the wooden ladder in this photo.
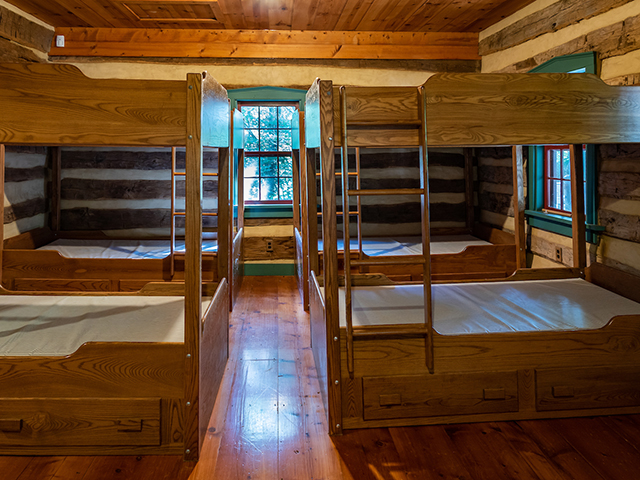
(174, 213)
(426, 329)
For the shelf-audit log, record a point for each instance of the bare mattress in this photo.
(470, 308)
(440, 244)
(134, 249)
(59, 325)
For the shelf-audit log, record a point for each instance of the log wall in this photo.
(532, 36)
(25, 191)
(22, 39)
(400, 168)
(127, 192)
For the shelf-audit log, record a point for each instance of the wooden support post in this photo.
(426, 229)
(224, 230)
(518, 206)
(193, 264)
(2, 161)
(56, 179)
(468, 188)
(577, 208)
(312, 202)
(295, 157)
(359, 205)
(173, 211)
(304, 211)
(330, 255)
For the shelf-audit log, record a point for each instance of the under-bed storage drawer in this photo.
(441, 394)
(79, 421)
(584, 388)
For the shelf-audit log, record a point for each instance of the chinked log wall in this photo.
(26, 178)
(611, 28)
(399, 168)
(127, 190)
(22, 40)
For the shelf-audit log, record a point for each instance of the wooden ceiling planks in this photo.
(317, 15)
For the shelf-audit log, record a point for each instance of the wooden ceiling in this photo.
(318, 15)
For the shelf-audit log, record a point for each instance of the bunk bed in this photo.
(545, 342)
(113, 372)
(476, 250)
(51, 258)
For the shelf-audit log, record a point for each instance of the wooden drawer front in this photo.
(580, 388)
(79, 421)
(435, 395)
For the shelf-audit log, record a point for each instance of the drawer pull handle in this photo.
(130, 426)
(11, 425)
(494, 394)
(563, 391)
(389, 400)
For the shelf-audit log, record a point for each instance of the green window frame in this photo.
(536, 216)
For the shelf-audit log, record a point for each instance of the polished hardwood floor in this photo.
(269, 424)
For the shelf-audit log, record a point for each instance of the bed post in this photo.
(56, 169)
(518, 206)
(304, 209)
(468, 188)
(330, 254)
(426, 228)
(311, 232)
(223, 213)
(2, 153)
(577, 209)
(193, 262)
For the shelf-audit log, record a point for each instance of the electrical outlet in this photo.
(59, 40)
(269, 245)
(559, 254)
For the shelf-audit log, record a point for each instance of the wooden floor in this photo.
(274, 427)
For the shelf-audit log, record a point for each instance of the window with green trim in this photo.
(268, 163)
(549, 187)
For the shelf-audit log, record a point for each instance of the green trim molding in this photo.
(267, 210)
(267, 94)
(586, 62)
(269, 269)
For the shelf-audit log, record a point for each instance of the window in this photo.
(549, 185)
(557, 179)
(268, 164)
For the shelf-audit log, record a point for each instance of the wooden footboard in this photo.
(105, 398)
(237, 267)
(319, 337)
(38, 270)
(214, 352)
(489, 377)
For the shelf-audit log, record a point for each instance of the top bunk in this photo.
(72, 109)
(469, 109)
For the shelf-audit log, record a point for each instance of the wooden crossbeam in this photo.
(132, 42)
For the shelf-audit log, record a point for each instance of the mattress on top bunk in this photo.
(523, 306)
(79, 248)
(59, 325)
(410, 245)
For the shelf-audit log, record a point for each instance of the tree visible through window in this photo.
(557, 178)
(268, 164)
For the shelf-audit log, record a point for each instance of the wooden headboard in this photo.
(470, 109)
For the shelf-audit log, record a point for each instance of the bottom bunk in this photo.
(41, 262)
(104, 374)
(501, 350)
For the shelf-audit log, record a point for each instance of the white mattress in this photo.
(76, 248)
(377, 246)
(525, 306)
(59, 325)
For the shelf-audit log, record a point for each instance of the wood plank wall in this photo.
(399, 168)
(126, 191)
(549, 30)
(495, 187)
(26, 177)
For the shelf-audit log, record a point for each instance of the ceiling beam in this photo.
(191, 43)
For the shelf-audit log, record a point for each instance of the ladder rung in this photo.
(390, 260)
(386, 191)
(339, 174)
(340, 213)
(205, 174)
(204, 214)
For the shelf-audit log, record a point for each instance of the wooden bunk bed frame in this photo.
(113, 397)
(398, 129)
(236, 205)
(391, 375)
